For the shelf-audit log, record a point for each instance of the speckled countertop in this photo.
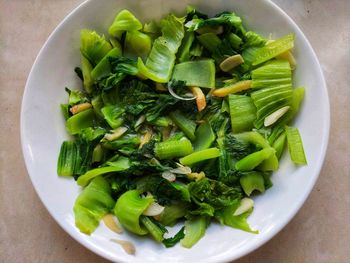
(320, 232)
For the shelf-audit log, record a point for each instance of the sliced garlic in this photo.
(231, 62)
(181, 170)
(233, 88)
(111, 224)
(288, 55)
(153, 210)
(246, 204)
(166, 133)
(80, 107)
(126, 245)
(160, 87)
(146, 138)
(167, 175)
(273, 117)
(139, 121)
(196, 176)
(117, 133)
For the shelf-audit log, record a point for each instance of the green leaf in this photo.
(114, 115)
(199, 73)
(200, 156)
(252, 181)
(184, 51)
(92, 204)
(161, 60)
(124, 21)
(186, 125)
(251, 161)
(214, 193)
(156, 230)
(103, 68)
(172, 149)
(68, 158)
(194, 230)
(243, 113)
(240, 222)
(137, 44)
(204, 137)
(274, 49)
(80, 121)
(86, 69)
(128, 209)
(93, 46)
(172, 241)
(172, 213)
(295, 146)
(121, 165)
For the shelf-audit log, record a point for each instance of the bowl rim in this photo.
(225, 257)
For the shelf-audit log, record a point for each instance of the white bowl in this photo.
(43, 130)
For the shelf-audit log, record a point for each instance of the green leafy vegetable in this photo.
(186, 125)
(171, 149)
(92, 204)
(199, 73)
(274, 49)
(243, 113)
(103, 68)
(194, 230)
(252, 181)
(172, 241)
(240, 222)
(154, 228)
(93, 46)
(124, 21)
(67, 159)
(80, 121)
(204, 137)
(146, 130)
(295, 146)
(129, 208)
(121, 165)
(161, 59)
(200, 156)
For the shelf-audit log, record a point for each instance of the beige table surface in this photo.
(320, 232)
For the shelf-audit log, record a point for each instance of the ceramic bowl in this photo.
(43, 130)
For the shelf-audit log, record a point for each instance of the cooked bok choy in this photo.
(178, 122)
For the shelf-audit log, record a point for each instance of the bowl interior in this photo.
(43, 130)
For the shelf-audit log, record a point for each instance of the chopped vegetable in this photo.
(199, 73)
(186, 125)
(178, 121)
(204, 137)
(92, 204)
(129, 208)
(92, 46)
(161, 59)
(274, 49)
(80, 121)
(124, 21)
(171, 149)
(200, 156)
(67, 159)
(242, 112)
(295, 146)
(252, 181)
(194, 231)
